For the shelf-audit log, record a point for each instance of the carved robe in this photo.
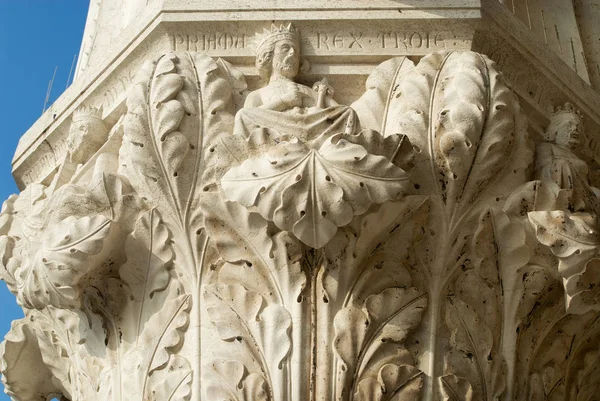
(305, 124)
(564, 177)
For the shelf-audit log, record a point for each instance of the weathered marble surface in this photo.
(228, 235)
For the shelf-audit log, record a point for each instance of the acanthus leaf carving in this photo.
(239, 315)
(237, 81)
(553, 329)
(50, 274)
(365, 267)
(500, 254)
(265, 267)
(77, 337)
(147, 269)
(20, 353)
(17, 210)
(336, 177)
(503, 257)
(179, 102)
(146, 275)
(573, 238)
(7, 263)
(165, 332)
(381, 86)
(460, 128)
(56, 242)
(584, 385)
(7, 213)
(396, 148)
(385, 317)
(105, 194)
(473, 353)
(455, 388)
(557, 360)
(42, 344)
(472, 150)
(148, 362)
(230, 381)
(19, 225)
(354, 258)
(274, 258)
(402, 383)
(146, 315)
(173, 382)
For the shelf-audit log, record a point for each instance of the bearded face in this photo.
(286, 58)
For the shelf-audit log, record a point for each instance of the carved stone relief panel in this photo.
(273, 244)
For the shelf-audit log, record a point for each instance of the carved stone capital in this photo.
(225, 244)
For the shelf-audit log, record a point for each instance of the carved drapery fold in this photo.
(415, 251)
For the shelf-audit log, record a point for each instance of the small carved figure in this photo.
(278, 62)
(283, 104)
(92, 149)
(563, 174)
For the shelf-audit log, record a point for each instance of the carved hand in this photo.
(292, 98)
(285, 96)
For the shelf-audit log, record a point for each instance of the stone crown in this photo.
(87, 112)
(268, 37)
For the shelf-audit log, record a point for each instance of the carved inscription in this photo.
(400, 40)
(322, 41)
(203, 42)
(41, 167)
(383, 40)
(116, 89)
(352, 40)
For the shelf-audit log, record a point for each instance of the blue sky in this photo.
(35, 37)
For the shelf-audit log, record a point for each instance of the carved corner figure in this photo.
(566, 210)
(564, 174)
(92, 149)
(307, 167)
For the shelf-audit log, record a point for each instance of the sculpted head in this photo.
(278, 52)
(87, 134)
(565, 127)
